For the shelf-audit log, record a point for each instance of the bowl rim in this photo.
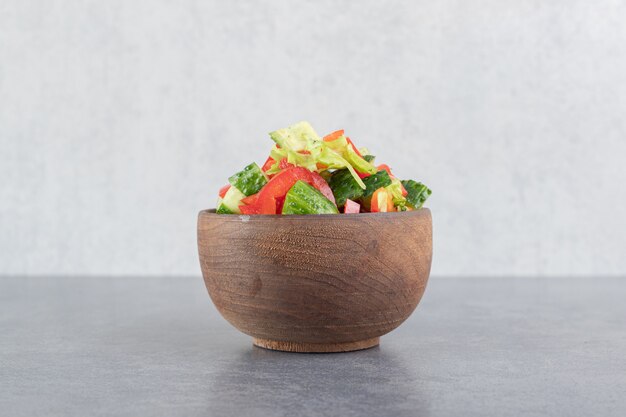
(271, 217)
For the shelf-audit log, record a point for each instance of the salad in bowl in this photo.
(309, 174)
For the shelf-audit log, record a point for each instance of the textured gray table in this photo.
(474, 347)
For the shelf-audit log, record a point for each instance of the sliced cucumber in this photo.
(250, 180)
(231, 202)
(417, 193)
(344, 187)
(303, 198)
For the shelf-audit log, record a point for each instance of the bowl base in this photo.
(315, 347)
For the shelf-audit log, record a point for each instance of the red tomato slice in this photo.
(382, 201)
(224, 190)
(351, 207)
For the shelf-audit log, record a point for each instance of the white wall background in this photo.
(119, 120)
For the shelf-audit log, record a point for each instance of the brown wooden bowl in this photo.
(316, 283)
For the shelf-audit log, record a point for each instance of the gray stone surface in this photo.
(475, 347)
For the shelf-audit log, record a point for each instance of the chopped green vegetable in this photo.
(357, 162)
(250, 180)
(333, 165)
(222, 209)
(374, 182)
(231, 201)
(344, 187)
(333, 160)
(297, 137)
(303, 198)
(418, 193)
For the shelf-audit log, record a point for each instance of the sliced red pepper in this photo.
(332, 136)
(252, 209)
(268, 164)
(224, 190)
(351, 207)
(251, 199)
(271, 196)
(278, 187)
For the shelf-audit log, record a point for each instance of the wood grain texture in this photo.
(316, 280)
(316, 347)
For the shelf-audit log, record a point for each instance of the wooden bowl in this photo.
(316, 283)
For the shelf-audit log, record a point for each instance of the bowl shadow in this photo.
(264, 382)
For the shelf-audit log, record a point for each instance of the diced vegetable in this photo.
(376, 181)
(344, 187)
(251, 199)
(231, 201)
(398, 193)
(359, 164)
(297, 137)
(303, 198)
(418, 193)
(332, 136)
(351, 207)
(333, 160)
(250, 180)
(268, 164)
(341, 176)
(222, 209)
(223, 190)
(321, 184)
(268, 198)
(382, 201)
